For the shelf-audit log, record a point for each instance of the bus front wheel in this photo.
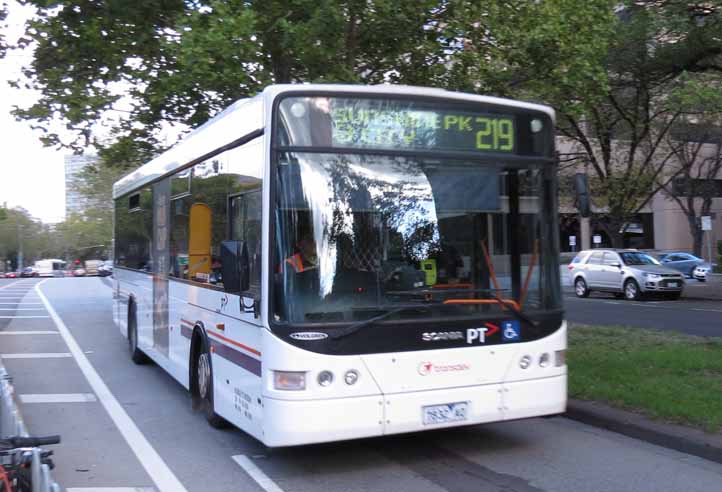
(204, 386)
(136, 355)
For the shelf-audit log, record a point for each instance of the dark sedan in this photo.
(686, 263)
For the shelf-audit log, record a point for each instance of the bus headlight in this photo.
(525, 361)
(561, 358)
(350, 377)
(325, 378)
(544, 360)
(289, 380)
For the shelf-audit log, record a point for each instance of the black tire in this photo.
(632, 291)
(204, 386)
(136, 354)
(580, 287)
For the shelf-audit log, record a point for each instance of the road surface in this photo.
(128, 428)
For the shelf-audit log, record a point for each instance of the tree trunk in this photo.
(697, 237)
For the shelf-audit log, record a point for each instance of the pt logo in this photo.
(479, 334)
(224, 302)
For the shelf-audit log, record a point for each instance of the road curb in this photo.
(677, 437)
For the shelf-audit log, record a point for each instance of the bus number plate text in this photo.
(448, 412)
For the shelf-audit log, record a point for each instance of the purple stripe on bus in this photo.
(239, 358)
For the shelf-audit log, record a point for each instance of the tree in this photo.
(181, 62)
(20, 232)
(696, 183)
(616, 73)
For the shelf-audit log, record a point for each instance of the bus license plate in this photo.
(448, 412)
(671, 284)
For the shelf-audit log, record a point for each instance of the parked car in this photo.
(626, 273)
(28, 272)
(690, 265)
(105, 269)
(79, 272)
(11, 275)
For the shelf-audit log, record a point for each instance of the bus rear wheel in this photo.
(204, 386)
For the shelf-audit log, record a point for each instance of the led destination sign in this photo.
(357, 125)
(402, 124)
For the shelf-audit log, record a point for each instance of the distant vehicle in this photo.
(50, 267)
(11, 275)
(91, 266)
(79, 272)
(2, 274)
(105, 269)
(689, 265)
(29, 272)
(626, 273)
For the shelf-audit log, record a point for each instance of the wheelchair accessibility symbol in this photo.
(510, 331)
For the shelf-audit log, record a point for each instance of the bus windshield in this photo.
(359, 236)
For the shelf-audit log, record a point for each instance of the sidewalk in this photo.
(680, 438)
(709, 290)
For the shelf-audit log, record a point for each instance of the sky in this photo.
(31, 176)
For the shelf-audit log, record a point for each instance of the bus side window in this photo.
(246, 217)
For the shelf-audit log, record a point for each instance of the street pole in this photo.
(20, 247)
(709, 246)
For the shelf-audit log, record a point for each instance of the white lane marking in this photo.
(110, 489)
(13, 284)
(256, 473)
(23, 309)
(16, 317)
(30, 332)
(58, 398)
(707, 310)
(148, 457)
(37, 355)
(16, 303)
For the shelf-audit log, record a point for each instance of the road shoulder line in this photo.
(680, 438)
(256, 473)
(148, 457)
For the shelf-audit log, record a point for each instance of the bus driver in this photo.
(306, 258)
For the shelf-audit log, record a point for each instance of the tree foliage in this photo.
(169, 61)
(621, 75)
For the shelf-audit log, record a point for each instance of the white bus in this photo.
(328, 262)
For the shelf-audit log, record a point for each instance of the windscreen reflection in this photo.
(357, 235)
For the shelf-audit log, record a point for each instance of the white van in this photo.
(50, 267)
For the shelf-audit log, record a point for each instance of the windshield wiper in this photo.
(350, 330)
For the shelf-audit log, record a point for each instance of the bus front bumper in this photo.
(296, 422)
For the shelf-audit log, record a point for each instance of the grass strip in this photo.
(664, 375)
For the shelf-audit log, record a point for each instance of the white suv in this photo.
(627, 273)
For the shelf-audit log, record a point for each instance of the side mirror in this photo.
(616, 264)
(235, 267)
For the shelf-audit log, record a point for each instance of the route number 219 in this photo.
(495, 134)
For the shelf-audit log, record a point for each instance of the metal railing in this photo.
(12, 424)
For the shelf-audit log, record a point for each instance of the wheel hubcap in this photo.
(580, 288)
(631, 291)
(204, 375)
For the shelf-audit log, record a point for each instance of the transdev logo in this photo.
(308, 335)
(426, 368)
